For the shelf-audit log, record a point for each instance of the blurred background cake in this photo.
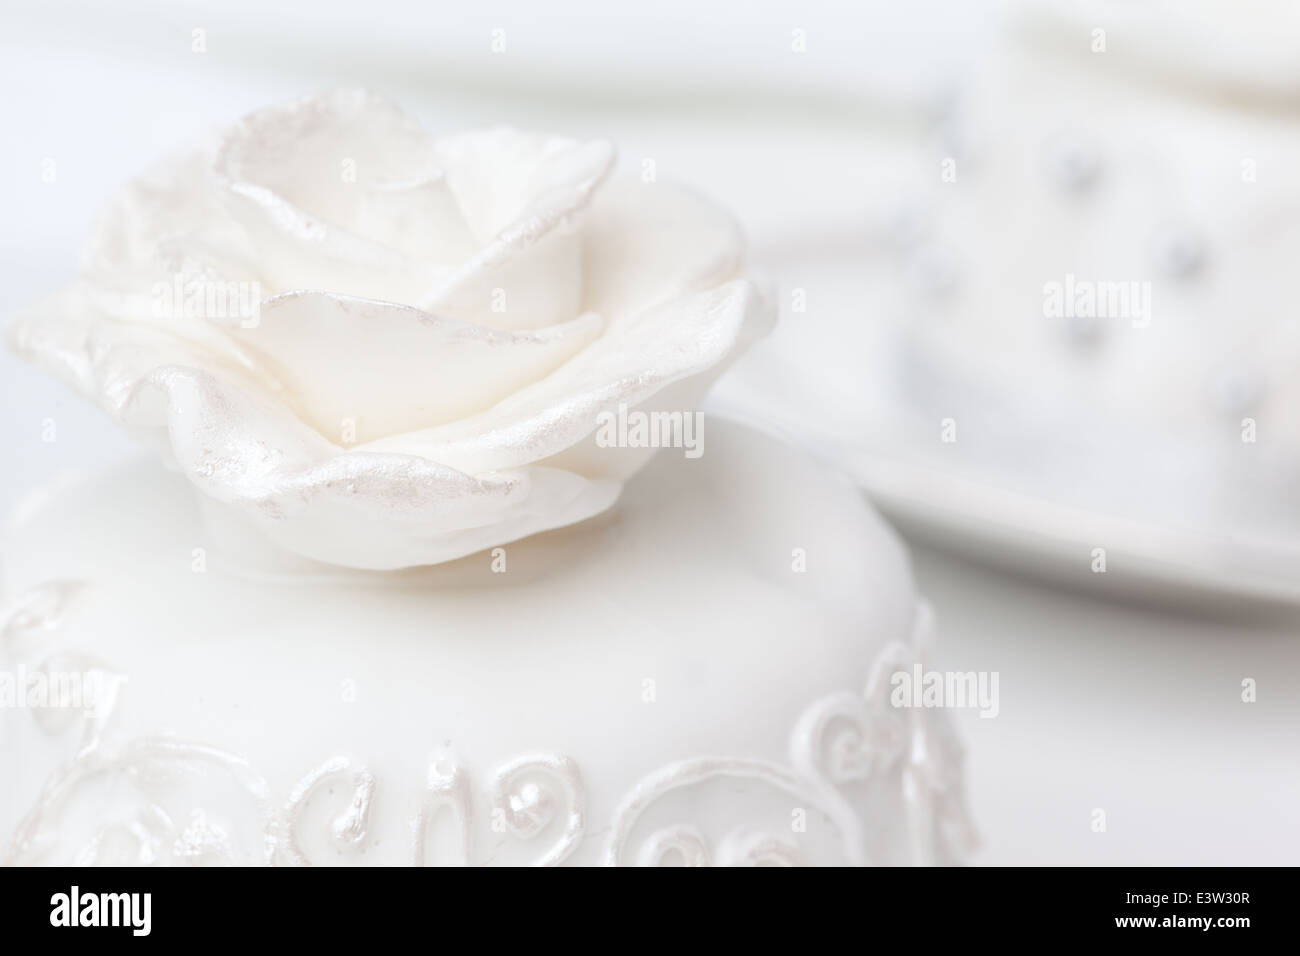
(1083, 271)
(1103, 304)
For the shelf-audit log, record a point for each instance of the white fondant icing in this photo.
(659, 686)
(383, 350)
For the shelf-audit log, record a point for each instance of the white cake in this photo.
(961, 355)
(658, 684)
(437, 581)
(1103, 308)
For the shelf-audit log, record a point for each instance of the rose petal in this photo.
(142, 231)
(388, 368)
(356, 509)
(647, 243)
(662, 345)
(343, 192)
(520, 194)
(162, 231)
(103, 359)
(52, 336)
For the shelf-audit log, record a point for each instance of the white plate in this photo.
(1042, 538)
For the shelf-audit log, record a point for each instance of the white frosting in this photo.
(1075, 169)
(426, 333)
(657, 685)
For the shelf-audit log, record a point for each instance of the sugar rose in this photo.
(383, 349)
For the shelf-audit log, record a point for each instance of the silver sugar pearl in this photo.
(1073, 165)
(933, 272)
(1178, 252)
(1234, 390)
(907, 225)
(1083, 331)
